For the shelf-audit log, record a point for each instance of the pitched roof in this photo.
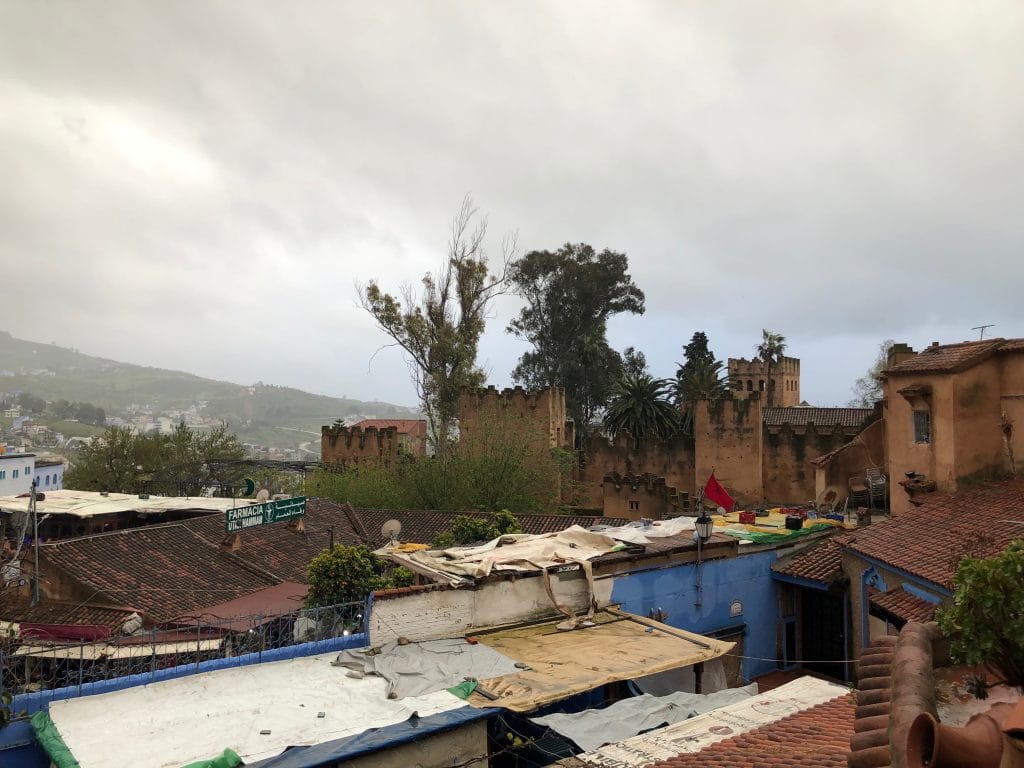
(162, 570)
(421, 526)
(801, 415)
(903, 605)
(818, 562)
(818, 736)
(950, 358)
(281, 550)
(929, 541)
(19, 608)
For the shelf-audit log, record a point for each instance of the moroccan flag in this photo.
(715, 492)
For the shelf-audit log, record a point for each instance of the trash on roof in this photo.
(591, 728)
(613, 646)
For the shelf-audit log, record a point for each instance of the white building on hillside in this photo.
(17, 470)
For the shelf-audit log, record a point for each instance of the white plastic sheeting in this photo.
(593, 727)
(418, 668)
(701, 731)
(257, 710)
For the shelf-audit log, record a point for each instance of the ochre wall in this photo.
(344, 445)
(1012, 400)
(866, 450)
(728, 438)
(788, 473)
(537, 415)
(670, 459)
(978, 443)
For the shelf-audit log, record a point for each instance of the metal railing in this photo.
(38, 664)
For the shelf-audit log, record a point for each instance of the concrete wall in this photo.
(746, 580)
(728, 438)
(458, 746)
(439, 613)
(18, 471)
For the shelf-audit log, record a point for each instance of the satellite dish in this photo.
(391, 529)
(262, 496)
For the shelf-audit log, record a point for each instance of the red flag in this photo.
(715, 492)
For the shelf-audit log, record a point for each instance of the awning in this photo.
(619, 646)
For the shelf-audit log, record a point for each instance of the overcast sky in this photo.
(199, 185)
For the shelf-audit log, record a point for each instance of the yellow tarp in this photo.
(773, 522)
(564, 663)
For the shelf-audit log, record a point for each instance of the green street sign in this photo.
(263, 514)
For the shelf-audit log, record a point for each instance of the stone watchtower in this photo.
(749, 376)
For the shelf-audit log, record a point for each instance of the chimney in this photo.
(298, 525)
(232, 543)
(898, 353)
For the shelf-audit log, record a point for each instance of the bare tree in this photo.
(439, 330)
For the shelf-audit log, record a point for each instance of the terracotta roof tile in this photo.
(162, 570)
(19, 609)
(818, 562)
(801, 415)
(818, 736)
(282, 551)
(421, 526)
(929, 541)
(949, 358)
(903, 605)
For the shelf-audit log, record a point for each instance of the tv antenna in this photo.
(981, 330)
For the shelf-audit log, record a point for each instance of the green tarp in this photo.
(765, 537)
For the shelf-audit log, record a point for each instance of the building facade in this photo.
(17, 470)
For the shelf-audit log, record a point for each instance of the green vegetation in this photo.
(184, 461)
(985, 623)
(770, 350)
(348, 574)
(570, 295)
(867, 390)
(440, 331)
(468, 529)
(642, 405)
(700, 377)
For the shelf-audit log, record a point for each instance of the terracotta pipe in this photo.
(979, 744)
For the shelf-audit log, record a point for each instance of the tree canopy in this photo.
(867, 390)
(985, 623)
(186, 460)
(348, 574)
(642, 405)
(440, 330)
(570, 294)
(770, 351)
(700, 377)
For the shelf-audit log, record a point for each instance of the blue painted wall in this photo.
(746, 578)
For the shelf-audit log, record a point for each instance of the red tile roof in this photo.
(818, 562)
(929, 541)
(18, 608)
(903, 605)
(802, 415)
(950, 358)
(281, 550)
(818, 736)
(421, 526)
(162, 570)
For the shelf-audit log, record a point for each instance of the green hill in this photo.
(264, 414)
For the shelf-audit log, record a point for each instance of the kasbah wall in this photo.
(342, 446)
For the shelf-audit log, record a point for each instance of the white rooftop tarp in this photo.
(257, 710)
(86, 504)
(699, 732)
(591, 728)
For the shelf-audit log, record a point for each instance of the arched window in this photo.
(750, 386)
(47, 480)
(760, 385)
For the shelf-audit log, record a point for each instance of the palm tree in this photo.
(703, 380)
(770, 351)
(642, 405)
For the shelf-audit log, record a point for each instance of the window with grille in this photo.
(922, 426)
